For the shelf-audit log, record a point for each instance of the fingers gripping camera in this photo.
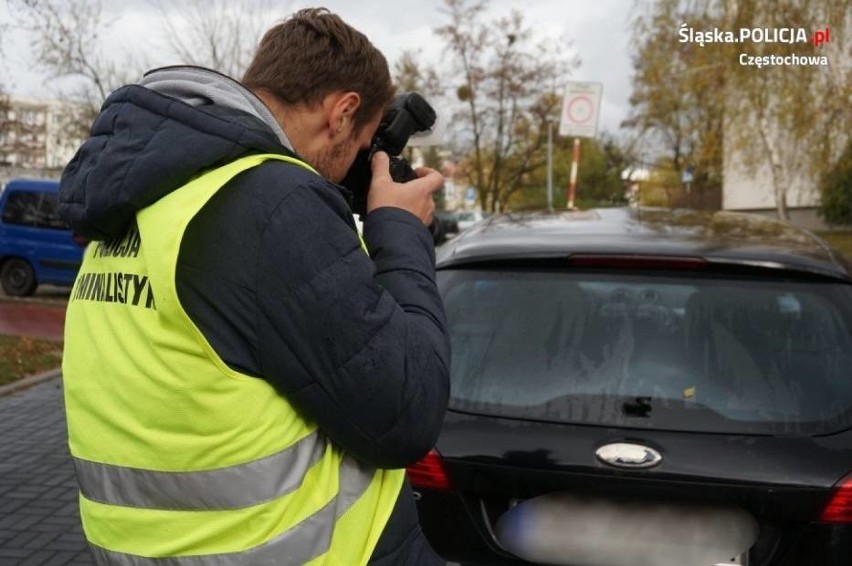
(408, 114)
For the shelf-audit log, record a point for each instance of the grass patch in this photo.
(21, 356)
(842, 240)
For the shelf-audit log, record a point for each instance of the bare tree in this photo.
(219, 34)
(507, 85)
(4, 34)
(67, 43)
(411, 74)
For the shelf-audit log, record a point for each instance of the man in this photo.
(243, 382)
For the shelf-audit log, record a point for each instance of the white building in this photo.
(755, 193)
(38, 134)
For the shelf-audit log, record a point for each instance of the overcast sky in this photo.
(598, 30)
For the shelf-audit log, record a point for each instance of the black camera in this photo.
(408, 114)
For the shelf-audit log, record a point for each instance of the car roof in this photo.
(33, 185)
(721, 237)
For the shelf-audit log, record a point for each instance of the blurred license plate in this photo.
(567, 529)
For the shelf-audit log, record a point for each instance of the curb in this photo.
(29, 381)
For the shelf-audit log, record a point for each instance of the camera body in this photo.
(407, 114)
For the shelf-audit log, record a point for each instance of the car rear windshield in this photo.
(664, 351)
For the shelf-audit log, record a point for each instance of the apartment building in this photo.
(39, 135)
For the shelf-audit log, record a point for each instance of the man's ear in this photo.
(342, 107)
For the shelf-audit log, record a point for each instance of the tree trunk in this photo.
(779, 179)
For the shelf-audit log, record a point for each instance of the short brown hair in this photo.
(314, 53)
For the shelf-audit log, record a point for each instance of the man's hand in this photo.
(414, 196)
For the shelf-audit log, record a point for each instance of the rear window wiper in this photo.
(637, 407)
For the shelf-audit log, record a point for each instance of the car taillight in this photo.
(839, 507)
(429, 472)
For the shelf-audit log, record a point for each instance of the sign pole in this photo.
(549, 166)
(572, 185)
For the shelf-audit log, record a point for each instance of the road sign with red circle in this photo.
(580, 110)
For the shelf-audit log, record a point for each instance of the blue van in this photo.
(36, 246)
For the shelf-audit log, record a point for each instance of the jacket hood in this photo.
(153, 137)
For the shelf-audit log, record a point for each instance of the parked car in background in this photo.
(36, 246)
(448, 223)
(637, 387)
(467, 218)
(444, 226)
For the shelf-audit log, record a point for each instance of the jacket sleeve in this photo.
(359, 345)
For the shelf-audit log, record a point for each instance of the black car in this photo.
(638, 387)
(444, 226)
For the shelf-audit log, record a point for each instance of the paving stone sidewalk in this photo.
(39, 519)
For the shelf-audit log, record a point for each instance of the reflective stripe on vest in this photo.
(231, 487)
(299, 545)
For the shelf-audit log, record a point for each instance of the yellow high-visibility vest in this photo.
(178, 456)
